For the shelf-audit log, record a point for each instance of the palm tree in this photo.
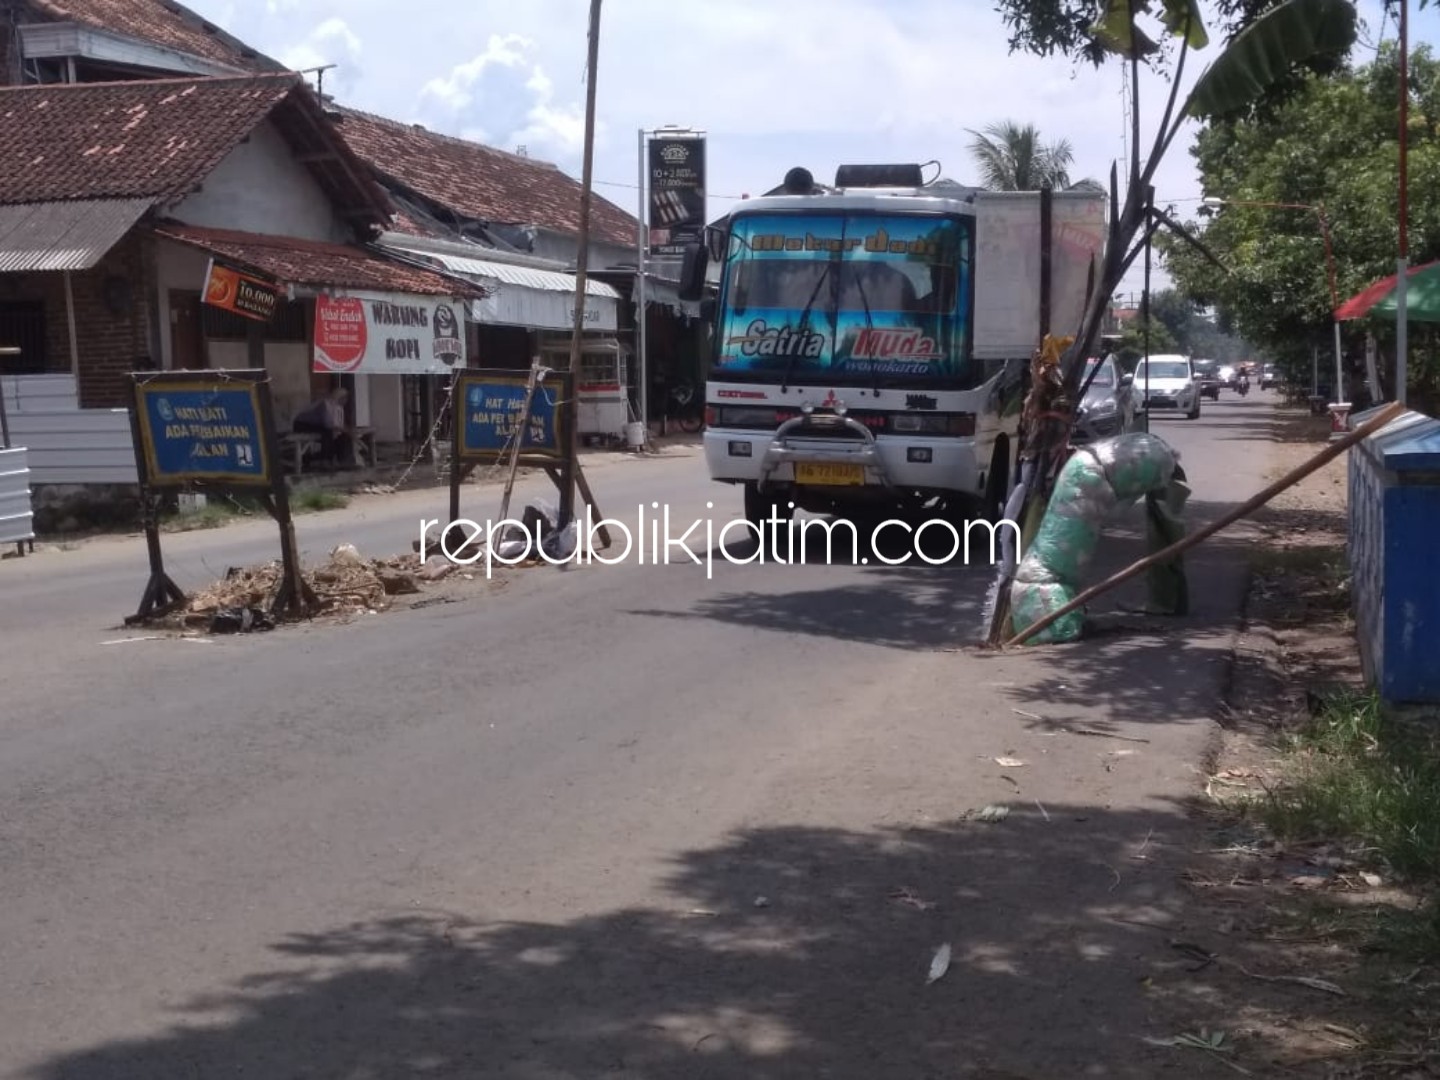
(1012, 158)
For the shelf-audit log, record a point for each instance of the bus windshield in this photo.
(813, 297)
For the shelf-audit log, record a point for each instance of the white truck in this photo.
(870, 341)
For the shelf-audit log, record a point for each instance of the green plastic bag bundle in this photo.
(1095, 483)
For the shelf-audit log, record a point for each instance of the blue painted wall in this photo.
(1394, 482)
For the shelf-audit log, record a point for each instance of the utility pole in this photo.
(1402, 317)
(568, 405)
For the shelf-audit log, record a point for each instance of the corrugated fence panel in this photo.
(16, 515)
(39, 393)
(67, 444)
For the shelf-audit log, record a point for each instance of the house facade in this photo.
(404, 209)
(511, 223)
(118, 198)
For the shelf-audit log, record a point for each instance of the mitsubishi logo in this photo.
(830, 401)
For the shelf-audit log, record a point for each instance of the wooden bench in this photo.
(296, 446)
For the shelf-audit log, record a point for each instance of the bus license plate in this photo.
(814, 472)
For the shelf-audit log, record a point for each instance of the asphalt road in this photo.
(622, 821)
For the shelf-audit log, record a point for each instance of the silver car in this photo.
(1108, 408)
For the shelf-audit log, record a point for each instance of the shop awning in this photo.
(316, 266)
(1422, 297)
(69, 234)
(525, 296)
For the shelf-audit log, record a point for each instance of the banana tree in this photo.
(1289, 34)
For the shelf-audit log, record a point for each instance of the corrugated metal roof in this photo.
(548, 280)
(66, 235)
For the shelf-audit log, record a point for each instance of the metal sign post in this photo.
(673, 207)
(642, 246)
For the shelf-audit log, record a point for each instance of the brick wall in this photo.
(112, 329)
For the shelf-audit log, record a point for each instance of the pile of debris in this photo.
(346, 584)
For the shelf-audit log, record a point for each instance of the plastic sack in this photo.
(1093, 484)
(559, 545)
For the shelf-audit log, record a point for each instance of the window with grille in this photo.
(22, 324)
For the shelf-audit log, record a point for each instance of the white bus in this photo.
(870, 342)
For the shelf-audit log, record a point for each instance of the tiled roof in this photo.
(479, 181)
(292, 261)
(155, 138)
(162, 22)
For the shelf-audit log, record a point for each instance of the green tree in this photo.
(1334, 143)
(1089, 33)
(1133, 344)
(1012, 157)
(1290, 33)
(1177, 313)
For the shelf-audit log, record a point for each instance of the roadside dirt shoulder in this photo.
(1283, 929)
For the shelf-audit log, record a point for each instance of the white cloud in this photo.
(456, 90)
(331, 42)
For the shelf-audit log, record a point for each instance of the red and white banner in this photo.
(389, 334)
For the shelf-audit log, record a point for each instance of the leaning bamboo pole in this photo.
(1290, 479)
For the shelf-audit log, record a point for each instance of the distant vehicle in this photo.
(1171, 384)
(1208, 372)
(1269, 377)
(1108, 408)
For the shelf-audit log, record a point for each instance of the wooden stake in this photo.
(1290, 479)
(521, 430)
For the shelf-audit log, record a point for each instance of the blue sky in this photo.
(803, 82)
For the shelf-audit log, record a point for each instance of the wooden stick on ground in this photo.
(1334, 450)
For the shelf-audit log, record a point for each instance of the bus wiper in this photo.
(804, 326)
(869, 325)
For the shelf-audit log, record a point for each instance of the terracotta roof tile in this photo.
(311, 263)
(150, 138)
(479, 181)
(162, 22)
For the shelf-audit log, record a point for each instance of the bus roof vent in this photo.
(889, 176)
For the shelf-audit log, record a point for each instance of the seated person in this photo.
(326, 417)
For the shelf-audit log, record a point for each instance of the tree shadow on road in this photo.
(784, 952)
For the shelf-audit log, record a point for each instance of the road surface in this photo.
(618, 821)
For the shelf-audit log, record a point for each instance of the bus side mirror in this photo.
(692, 272)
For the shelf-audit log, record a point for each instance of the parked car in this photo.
(1208, 373)
(1171, 384)
(1269, 377)
(1108, 408)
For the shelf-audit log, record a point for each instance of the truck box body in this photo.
(1008, 266)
